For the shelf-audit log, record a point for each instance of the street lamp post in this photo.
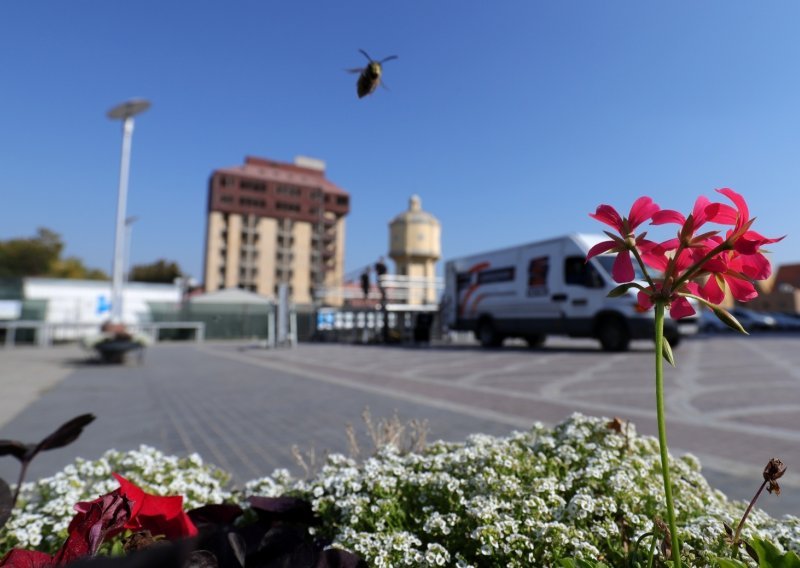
(129, 221)
(125, 112)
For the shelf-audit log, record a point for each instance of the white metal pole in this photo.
(119, 240)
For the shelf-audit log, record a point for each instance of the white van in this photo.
(543, 288)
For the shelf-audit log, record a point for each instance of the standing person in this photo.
(365, 282)
(380, 271)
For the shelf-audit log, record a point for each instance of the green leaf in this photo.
(666, 350)
(770, 557)
(723, 315)
(623, 288)
(729, 563)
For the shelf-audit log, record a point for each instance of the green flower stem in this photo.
(662, 431)
(638, 257)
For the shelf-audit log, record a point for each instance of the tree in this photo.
(30, 257)
(160, 271)
(41, 256)
(73, 267)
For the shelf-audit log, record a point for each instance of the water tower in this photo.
(415, 246)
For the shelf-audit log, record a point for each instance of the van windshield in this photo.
(607, 262)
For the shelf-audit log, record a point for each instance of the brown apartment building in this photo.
(272, 223)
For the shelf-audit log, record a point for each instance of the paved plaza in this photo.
(732, 401)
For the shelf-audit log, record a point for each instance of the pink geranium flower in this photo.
(641, 210)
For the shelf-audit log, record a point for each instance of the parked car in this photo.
(752, 320)
(710, 323)
(786, 322)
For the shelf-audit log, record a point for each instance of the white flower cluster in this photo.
(581, 490)
(586, 489)
(46, 506)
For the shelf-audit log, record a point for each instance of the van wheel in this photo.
(535, 340)
(613, 335)
(487, 335)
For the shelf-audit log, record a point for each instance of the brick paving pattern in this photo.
(731, 401)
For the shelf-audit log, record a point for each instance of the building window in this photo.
(248, 202)
(342, 200)
(226, 199)
(292, 190)
(285, 206)
(252, 185)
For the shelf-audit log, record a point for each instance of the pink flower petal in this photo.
(608, 215)
(755, 266)
(645, 301)
(699, 211)
(622, 271)
(600, 248)
(742, 290)
(713, 290)
(641, 210)
(667, 216)
(680, 308)
(741, 205)
(722, 214)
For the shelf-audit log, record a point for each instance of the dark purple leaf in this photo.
(285, 547)
(65, 434)
(201, 559)
(14, 448)
(6, 503)
(170, 555)
(224, 514)
(284, 509)
(338, 558)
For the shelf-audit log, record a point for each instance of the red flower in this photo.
(18, 558)
(94, 522)
(159, 515)
(641, 210)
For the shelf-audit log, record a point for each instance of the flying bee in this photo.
(370, 76)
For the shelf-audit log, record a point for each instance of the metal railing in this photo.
(46, 332)
(398, 288)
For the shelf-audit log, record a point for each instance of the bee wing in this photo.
(385, 59)
(355, 70)
(366, 55)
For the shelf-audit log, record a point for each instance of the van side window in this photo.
(463, 279)
(537, 276)
(578, 272)
(505, 274)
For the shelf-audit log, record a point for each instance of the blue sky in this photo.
(512, 120)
